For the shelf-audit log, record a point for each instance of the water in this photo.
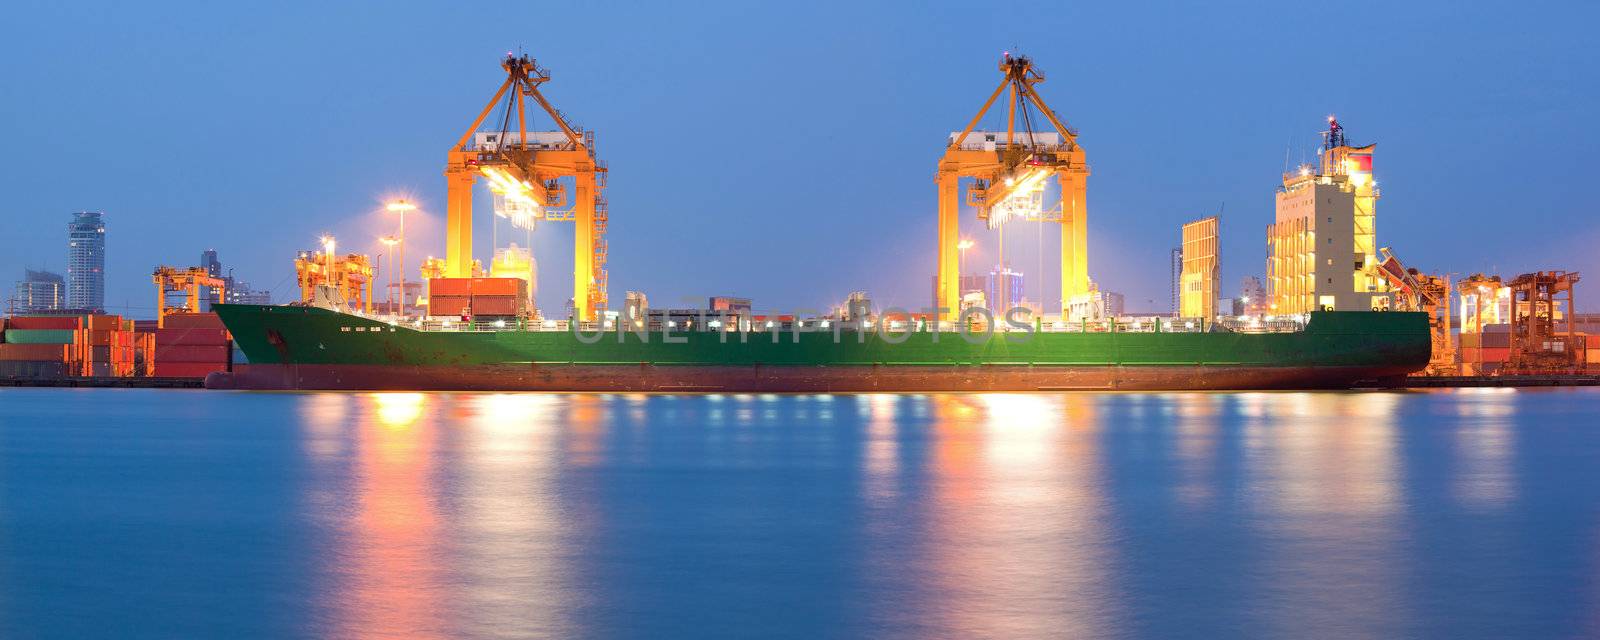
(156, 514)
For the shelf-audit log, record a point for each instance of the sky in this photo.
(786, 151)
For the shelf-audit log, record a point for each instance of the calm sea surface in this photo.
(184, 514)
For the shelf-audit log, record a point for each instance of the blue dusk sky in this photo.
(786, 151)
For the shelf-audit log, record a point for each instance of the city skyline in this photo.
(1169, 139)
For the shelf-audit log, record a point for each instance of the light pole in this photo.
(390, 241)
(401, 207)
(327, 254)
(962, 246)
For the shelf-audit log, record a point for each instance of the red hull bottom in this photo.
(778, 379)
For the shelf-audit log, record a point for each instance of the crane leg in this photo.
(583, 247)
(948, 286)
(458, 223)
(1074, 240)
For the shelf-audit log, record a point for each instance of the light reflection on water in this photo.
(1461, 514)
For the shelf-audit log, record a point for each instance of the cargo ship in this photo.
(313, 348)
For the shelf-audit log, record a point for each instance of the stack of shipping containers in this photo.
(40, 347)
(106, 347)
(103, 346)
(191, 345)
(478, 297)
(1485, 353)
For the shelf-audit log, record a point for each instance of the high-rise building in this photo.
(1004, 290)
(1322, 249)
(1201, 275)
(86, 261)
(39, 292)
(213, 267)
(240, 292)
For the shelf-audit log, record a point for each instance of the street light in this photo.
(391, 241)
(962, 246)
(327, 253)
(401, 207)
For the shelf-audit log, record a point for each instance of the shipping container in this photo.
(1496, 354)
(1471, 354)
(499, 287)
(43, 352)
(146, 326)
(497, 305)
(192, 321)
(1593, 356)
(187, 369)
(187, 353)
(1471, 340)
(477, 287)
(104, 323)
(196, 337)
(40, 336)
(45, 322)
(1496, 340)
(447, 305)
(48, 370)
(449, 287)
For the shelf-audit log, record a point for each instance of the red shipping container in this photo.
(499, 287)
(197, 337)
(1496, 340)
(187, 353)
(187, 369)
(1495, 354)
(192, 321)
(1592, 341)
(1471, 354)
(449, 287)
(104, 323)
(145, 326)
(496, 305)
(45, 322)
(446, 305)
(39, 352)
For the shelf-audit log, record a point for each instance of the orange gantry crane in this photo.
(327, 278)
(186, 281)
(1010, 171)
(526, 171)
(1537, 343)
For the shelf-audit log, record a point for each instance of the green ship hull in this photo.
(292, 348)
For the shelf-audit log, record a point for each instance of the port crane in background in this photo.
(1009, 173)
(1430, 294)
(187, 281)
(1537, 346)
(334, 281)
(526, 172)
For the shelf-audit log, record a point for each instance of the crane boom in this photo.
(530, 175)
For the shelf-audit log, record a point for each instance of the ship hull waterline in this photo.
(787, 379)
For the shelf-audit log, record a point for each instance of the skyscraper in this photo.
(86, 261)
(213, 267)
(1004, 289)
